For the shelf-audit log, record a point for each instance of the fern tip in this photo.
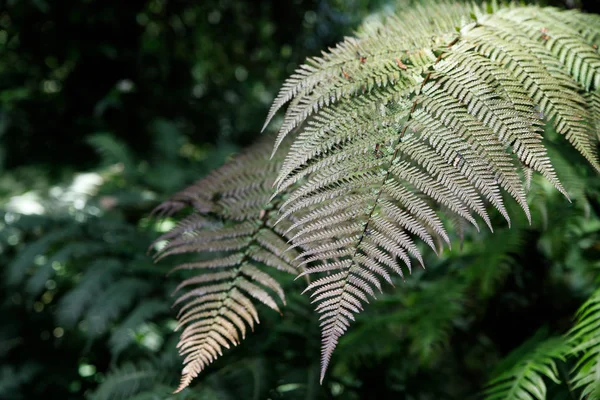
(300, 275)
(322, 375)
(273, 196)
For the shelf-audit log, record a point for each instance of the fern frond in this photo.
(443, 302)
(397, 321)
(525, 380)
(17, 270)
(123, 335)
(112, 150)
(97, 277)
(554, 80)
(233, 227)
(584, 339)
(118, 297)
(381, 56)
(126, 381)
(445, 110)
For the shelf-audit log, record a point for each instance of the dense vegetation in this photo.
(165, 93)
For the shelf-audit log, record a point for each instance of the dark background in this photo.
(76, 67)
(72, 68)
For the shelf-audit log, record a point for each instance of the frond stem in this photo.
(325, 360)
(395, 154)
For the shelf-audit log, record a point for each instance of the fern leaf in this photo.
(557, 91)
(112, 302)
(112, 150)
(439, 107)
(525, 380)
(584, 339)
(123, 335)
(126, 381)
(17, 269)
(233, 227)
(98, 275)
(66, 252)
(366, 64)
(593, 99)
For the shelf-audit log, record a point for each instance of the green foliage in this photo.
(399, 316)
(98, 276)
(80, 264)
(584, 342)
(535, 360)
(122, 337)
(127, 380)
(525, 379)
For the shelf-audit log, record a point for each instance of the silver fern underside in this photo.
(437, 111)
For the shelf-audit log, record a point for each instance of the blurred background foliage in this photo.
(107, 108)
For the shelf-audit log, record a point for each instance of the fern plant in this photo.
(430, 116)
